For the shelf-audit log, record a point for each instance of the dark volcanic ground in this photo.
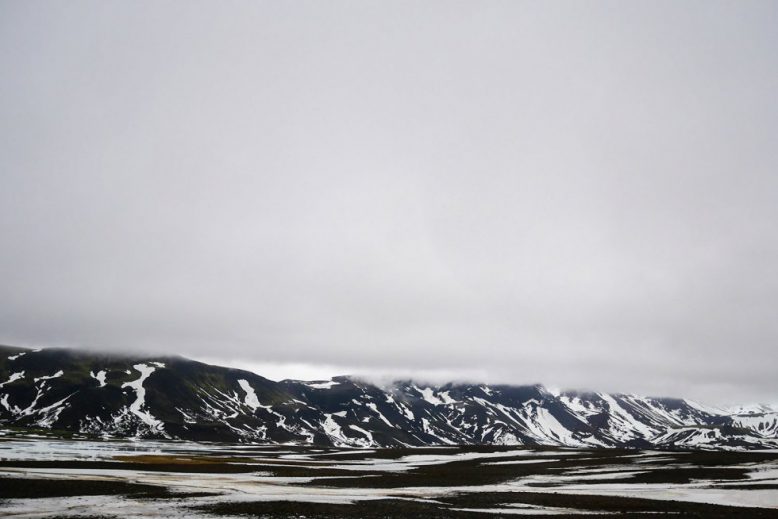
(45, 477)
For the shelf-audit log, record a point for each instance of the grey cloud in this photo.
(577, 194)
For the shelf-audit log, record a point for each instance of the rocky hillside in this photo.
(171, 397)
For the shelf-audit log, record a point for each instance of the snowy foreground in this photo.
(44, 477)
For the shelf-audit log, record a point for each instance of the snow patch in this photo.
(251, 399)
(579, 407)
(322, 385)
(99, 376)
(49, 377)
(137, 407)
(367, 434)
(445, 397)
(374, 407)
(429, 395)
(14, 377)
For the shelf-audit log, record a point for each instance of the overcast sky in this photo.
(583, 194)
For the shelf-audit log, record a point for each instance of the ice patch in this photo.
(522, 462)
(533, 510)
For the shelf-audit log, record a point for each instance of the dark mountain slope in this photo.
(171, 397)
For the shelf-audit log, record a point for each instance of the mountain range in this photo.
(79, 393)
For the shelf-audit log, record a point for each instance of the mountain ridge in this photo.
(88, 393)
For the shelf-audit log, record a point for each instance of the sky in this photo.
(581, 194)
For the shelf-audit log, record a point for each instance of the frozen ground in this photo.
(45, 477)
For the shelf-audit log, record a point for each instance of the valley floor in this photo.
(49, 477)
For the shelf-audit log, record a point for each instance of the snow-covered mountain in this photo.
(76, 392)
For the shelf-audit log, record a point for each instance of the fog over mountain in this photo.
(581, 195)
